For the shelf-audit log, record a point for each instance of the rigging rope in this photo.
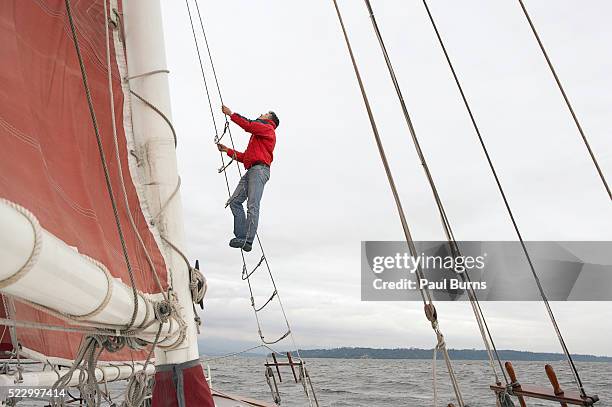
(434, 372)
(425, 294)
(155, 108)
(480, 318)
(508, 209)
(566, 99)
(107, 179)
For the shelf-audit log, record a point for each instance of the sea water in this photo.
(394, 383)
(384, 382)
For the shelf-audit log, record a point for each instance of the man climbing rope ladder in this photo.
(256, 159)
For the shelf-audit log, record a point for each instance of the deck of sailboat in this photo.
(223, 399)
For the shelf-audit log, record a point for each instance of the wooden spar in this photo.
(552, 377)
(104, 373)
(291, 364)
(564, 398)
(221, 398)
(544, 393)
(515, 382)
(277, 369)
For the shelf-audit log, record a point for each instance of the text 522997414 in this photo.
(31, 392)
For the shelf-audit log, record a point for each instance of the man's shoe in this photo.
(241, 244)
(236, 242)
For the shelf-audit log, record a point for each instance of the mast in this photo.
(155, 146)
(180, 367)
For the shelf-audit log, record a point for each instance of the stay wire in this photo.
(425, 294)
(107, 179)
(212, 113)
(218, 86)
(212, 64)
(508, 208)
(480, 318)
(426, 299)
(195, 40)
(566, 99)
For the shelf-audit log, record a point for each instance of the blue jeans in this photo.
(251, 186)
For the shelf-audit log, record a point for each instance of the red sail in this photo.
(49, 159)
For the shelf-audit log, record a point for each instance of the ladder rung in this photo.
(225, 128)
(284, 364)
(266, 303)
(220, 170)
(276, 341)
(246, 274)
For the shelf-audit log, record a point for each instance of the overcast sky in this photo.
(328, 191)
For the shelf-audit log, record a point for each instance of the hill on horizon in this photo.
(457, 354)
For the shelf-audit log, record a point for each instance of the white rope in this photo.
(162, 209)
(128, 78)
(438, 347)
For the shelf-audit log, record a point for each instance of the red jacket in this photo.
(261, 144)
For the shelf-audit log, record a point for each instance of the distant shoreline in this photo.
(456, 354)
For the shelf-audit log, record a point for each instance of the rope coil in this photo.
(198, 285)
